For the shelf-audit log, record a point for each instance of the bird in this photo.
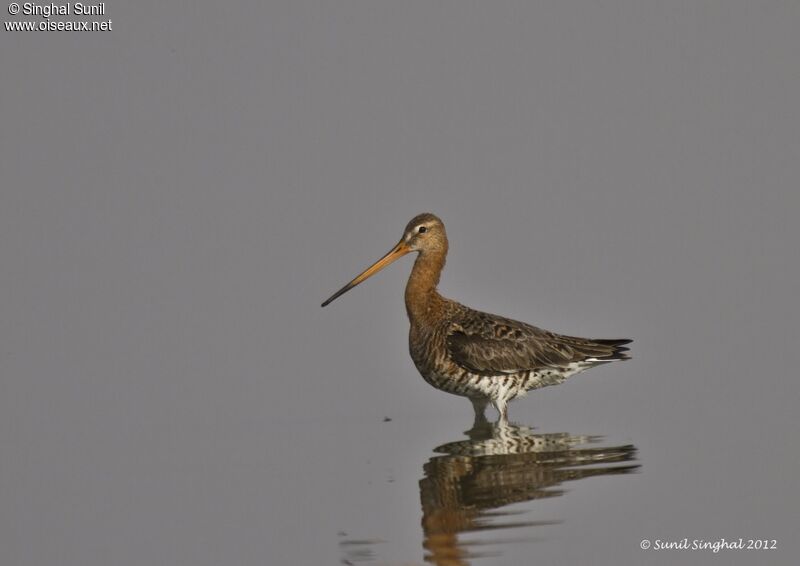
(486, 358)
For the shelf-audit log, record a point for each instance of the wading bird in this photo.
(481, 356)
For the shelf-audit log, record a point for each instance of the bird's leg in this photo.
(479, 405)
(502, 408)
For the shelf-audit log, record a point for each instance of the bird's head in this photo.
(424, 234)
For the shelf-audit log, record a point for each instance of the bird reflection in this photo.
(498, 465)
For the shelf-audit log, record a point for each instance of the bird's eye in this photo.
(422, 229)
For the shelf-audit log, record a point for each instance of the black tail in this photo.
(616, 349)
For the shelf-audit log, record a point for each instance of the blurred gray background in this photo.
(179, 194)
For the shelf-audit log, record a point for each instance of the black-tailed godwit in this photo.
(484, 357)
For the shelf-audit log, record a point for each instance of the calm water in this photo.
(467, 489)
(178, 195)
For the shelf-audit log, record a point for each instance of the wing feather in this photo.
(488, 344)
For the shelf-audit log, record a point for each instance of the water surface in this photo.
(178, 196)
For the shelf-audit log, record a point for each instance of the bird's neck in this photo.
(421, 295)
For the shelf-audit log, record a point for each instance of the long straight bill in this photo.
(396, 252)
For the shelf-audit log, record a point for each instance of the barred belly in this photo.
(504, 387)
(468, 384)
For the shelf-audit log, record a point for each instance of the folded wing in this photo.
(488, 344)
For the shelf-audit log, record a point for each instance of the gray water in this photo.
(179, 194)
